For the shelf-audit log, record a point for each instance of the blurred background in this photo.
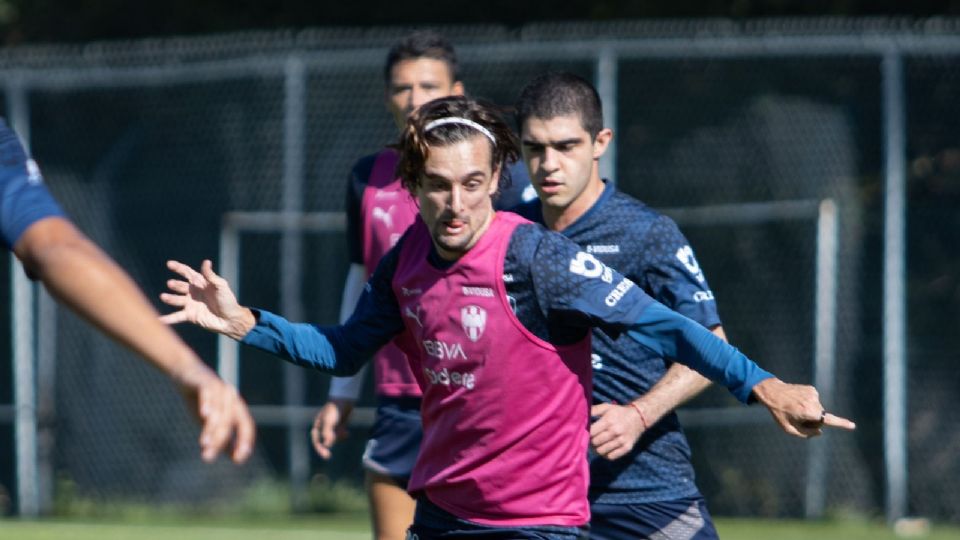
(810, 152)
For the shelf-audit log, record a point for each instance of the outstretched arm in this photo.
(594, 295)
(81, 276)
(205, 299)
(796, 408)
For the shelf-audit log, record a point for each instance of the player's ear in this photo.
(601, 142)
(457, 89)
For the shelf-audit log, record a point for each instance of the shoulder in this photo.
(637, 220)
(12, 153)
(624, 205)
(363, 167)
(24, 199)
(541, 244)
(526, 238)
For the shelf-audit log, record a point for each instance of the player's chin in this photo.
(453, 245)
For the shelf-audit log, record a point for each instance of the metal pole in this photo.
(24, 345)
(228, 350)
(46, 395)
(291, 264)
(607, 88)
(894, 289)
(825, 326)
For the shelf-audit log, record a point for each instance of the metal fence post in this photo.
(894, 289)
(607, 88)
(291, 265)
(825, 336)
(24, 345)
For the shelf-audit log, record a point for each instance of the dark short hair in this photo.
(561, 94)
(422, 44)
(415, 142)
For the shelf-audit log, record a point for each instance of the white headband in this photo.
(462, 121)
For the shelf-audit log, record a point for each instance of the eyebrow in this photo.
(469, 176)
(562, 142)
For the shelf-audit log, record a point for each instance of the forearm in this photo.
(672, 335)
(678, 385)
(81, 276)
(328, 349)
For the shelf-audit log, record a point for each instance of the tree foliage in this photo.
(32, 21)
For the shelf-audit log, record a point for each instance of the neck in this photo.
(559, 218)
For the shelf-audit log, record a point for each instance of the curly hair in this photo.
(415, 142)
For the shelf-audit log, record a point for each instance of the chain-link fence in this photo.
(149, 144)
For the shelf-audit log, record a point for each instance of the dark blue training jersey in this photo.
(23, 198)
(518, 191)
(648, 248)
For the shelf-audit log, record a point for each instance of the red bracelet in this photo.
(643, 420)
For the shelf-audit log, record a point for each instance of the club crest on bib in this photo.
(474, 320)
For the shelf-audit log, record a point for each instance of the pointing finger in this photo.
(834, 421)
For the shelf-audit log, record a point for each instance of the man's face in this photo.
(560, 155)
(416, 81)
(455, 194)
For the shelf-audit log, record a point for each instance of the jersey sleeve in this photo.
(339, 350)
(24, 199)
(574, 288)
(673, 275)
(356, 183)
(668, 333)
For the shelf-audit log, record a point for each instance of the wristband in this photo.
(643, 419)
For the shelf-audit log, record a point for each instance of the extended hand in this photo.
(330, 426)
(205, 299)
(616, 429)
(797, 408)
(222, 412)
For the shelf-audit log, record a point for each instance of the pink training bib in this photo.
(386, 210)
(505, 414)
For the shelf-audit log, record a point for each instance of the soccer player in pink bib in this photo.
(494, 313)
(419, 68)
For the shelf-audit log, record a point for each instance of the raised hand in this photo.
(797, 408)
(205, 299)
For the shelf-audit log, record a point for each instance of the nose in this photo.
(549, 163)
(456, 199)
(418, 97)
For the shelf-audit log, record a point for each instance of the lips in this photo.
(453, 226)
(550, 186)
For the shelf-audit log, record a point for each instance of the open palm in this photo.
(204, 299)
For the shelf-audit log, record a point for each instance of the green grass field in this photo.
(355, 527)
